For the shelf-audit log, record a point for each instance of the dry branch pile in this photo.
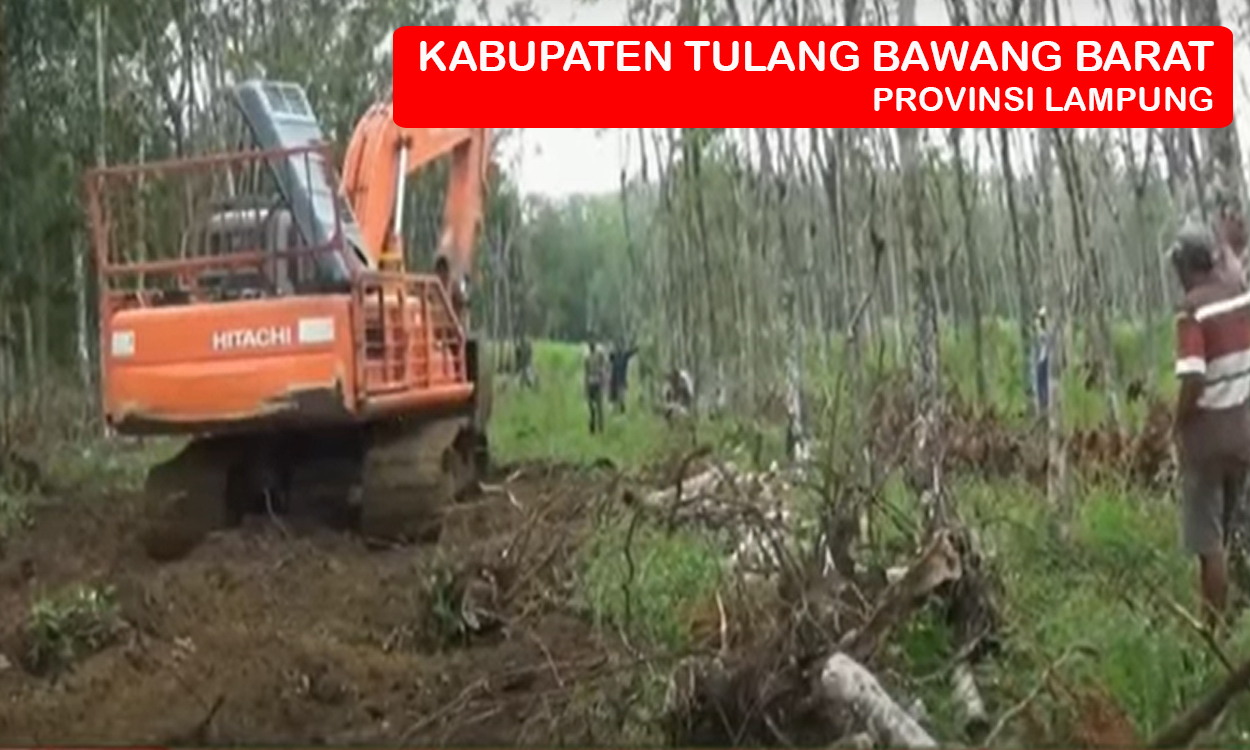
(806, 680)
(981, 440)
(796, 636)
(751, 506)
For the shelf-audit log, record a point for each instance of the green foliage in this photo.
(647, 582)
(671, 571)
(1115, 531)
(14, 513)
(69, 626)
(1113, 584)
(578, 259)
(445, 618)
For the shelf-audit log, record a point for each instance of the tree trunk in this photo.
(1053, 282)
(1095, 295)
(926, 342)
(1222, 166)
(1023, 285)
(973, 264)
(81, 246)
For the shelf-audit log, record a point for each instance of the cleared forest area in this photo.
(866, 531)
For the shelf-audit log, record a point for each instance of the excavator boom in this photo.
(380, 158)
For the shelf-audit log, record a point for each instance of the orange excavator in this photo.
(258, 304)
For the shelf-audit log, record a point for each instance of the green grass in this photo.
(110, 465)
(1114, 588)
(73, 623)
(1136, 355)
(552, 421)
(14, 513)
(648, 583)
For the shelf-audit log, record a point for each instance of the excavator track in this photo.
(187, 497)
(414, 469)
(390, 482)
(411, 472)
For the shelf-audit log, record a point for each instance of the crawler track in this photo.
(389, 481)
(185, 498)
(411, 472)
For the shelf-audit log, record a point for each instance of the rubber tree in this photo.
(925, 354)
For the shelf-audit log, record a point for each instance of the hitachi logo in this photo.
(252, 338)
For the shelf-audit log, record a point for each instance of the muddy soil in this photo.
(272, 634)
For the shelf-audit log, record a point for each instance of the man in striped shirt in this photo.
(1213, 409)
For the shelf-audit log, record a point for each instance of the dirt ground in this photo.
(271, 634)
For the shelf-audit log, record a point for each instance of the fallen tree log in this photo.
(702, 483)
(749, 505)
(781, 690)
(968, 698)
(721, 485)
(846, 681)
(711, 702)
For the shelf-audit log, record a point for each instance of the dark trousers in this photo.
(594, 398)
(616, 395)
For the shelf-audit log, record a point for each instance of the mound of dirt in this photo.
(265, 634)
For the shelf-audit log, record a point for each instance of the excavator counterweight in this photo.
(251, 302)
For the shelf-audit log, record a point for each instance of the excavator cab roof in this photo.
(278, 117)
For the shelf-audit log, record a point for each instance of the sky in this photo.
(558, 162)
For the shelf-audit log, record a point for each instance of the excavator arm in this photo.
(380, 157)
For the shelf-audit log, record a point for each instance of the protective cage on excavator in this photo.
(234, 292)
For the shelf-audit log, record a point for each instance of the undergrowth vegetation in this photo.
(69, 625)
(14, 514)
(647, 583)
(1101, 614)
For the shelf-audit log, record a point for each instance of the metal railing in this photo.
(158, 229)
(153, 228)
(407, 335)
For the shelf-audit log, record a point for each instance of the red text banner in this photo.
(816, 76)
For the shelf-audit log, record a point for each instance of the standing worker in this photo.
(619, 360)
(1041, 363)
(525, 362)
(596, 372)
(1212, 421)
